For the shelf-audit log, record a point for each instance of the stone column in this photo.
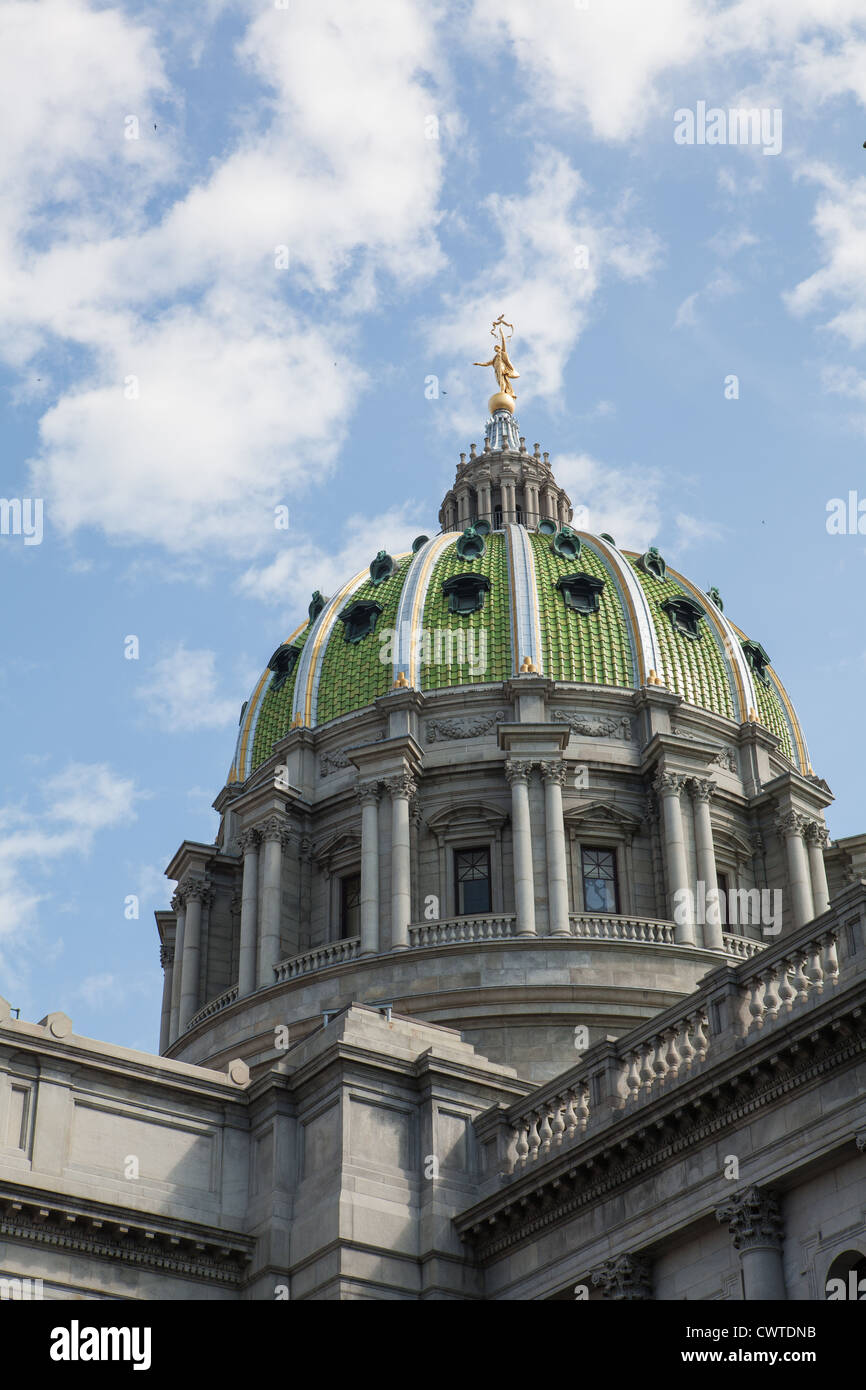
(703, 790)
(485, 506)
(273, 832)
(530, 503)
(625, 1278)
(166, 960)
(196, 895)
(401, 788)
(178, 903)
(755, 1223)
(463, 516)
(508, 512)
(553, 775)
(368, 795)
(816, 841)
(669, 785)
(790, 828)
(524, 884)
(249, 945)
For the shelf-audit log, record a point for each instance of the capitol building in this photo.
(522, 966)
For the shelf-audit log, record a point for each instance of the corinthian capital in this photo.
(790, 823)
(193, 889)
(403, 785)
(274, 828)
(753, 1219)
(249, 839)
(166, 956)
(368, 792)
(554, 772)
(518, 771)
(816, 833)
(702, 788)
(668, 783)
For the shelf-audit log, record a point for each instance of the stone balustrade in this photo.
(458, 929)
(332, 953)
(607, 928)
(621, 1074)
(215, 1006)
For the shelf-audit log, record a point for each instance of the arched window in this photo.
(846, 1278)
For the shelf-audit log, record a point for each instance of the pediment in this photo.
(602, 813)
(475, 815)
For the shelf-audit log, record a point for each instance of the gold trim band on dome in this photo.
(239, 764)
(712, 613)
(793, 723)
(642, 674)
(325, 631)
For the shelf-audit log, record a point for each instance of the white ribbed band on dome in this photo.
(637, 603)
(525, 627)
(598, 549)
(743, 690)
(410, 609)
(310, 662)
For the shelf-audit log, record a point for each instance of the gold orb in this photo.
(501, 401)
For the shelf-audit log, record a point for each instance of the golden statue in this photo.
(503, 369)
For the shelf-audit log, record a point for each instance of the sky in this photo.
(248, 254)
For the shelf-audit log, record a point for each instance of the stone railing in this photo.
(734, 1002)
(742, 946)
(602, 928)
(332, 953)
(214, 1007)
(496, 927)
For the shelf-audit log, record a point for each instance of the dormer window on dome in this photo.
(582, 592)
(466, 592)
(685, 615)
(359, 619)
(470, 546)
(566, 544)
(758, 660)
(382, 568)
(652, 563)
(283, 663)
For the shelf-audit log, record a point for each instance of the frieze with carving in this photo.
(441, 730)
(600, 728)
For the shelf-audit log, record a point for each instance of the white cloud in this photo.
(80, 800)
(551, 255)
(289, 580)
(624, 502)
(180, 694)
(840, 223)
(692, 531)
(241, 398)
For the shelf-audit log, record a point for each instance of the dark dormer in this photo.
(758, 660)
(283, 663)
(581, 592)
(466, 592)
(566, 544)
(470, 546)
(685, 615)
(652, 563)
(381, 568)
(359, 619)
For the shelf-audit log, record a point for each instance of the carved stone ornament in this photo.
(518, 771)
(441, 730)
(790, 823)
(669, 783)
(726, 757)
(554, 772)
(626, 1277)
(403, 784)
(753, 1219)
(600, 728)
(368, 791)
(702, 788)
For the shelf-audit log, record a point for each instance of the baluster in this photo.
(816, 969)
(582, 1107)
(801, 979)
(522, 1146)
(647, 1073)
(701, 1036)
(756, 1006)
(661, 1066)
(787, 992)
(558, 1120)
(672, 1056)
(570, 1114)
(633, 1077)
(831, 960)
(687, 1049)
(534, 1138)
(771, 998)
(546, 1132)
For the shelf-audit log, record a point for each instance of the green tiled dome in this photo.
(600, 617)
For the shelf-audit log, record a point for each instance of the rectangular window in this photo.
(350, 905)
(600, 891)
(472, 877)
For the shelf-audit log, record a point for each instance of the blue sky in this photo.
(165, 385)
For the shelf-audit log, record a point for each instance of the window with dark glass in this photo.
(472, 877)
(350, 905)
(600, 891)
